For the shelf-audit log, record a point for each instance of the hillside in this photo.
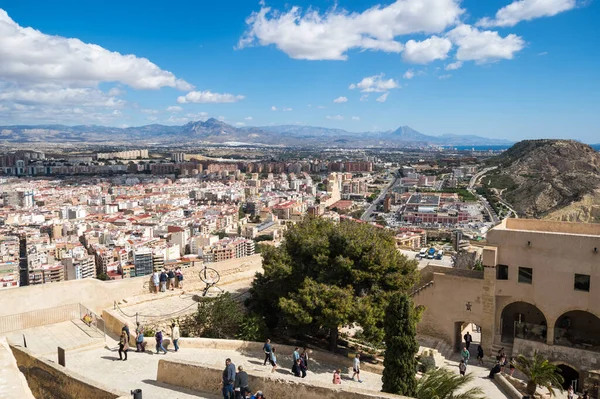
(548, 178)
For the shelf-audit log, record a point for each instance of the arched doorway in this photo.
(523, 320)
(461, 329)
(579, 329)
(570, 375)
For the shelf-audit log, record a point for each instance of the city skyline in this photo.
(498, 69)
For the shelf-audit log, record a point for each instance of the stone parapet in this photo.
(13, 382)
(203, 378)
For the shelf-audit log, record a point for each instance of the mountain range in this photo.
(213, 131)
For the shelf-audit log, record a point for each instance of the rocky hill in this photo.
(549, 178)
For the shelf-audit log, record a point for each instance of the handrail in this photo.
(416, 291)
(38, 318)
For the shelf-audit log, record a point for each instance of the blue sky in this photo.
(493, 68)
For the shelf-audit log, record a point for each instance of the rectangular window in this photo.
(582, 282)
(502, 272)
(525, 275)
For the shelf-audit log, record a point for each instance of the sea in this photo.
(499, 147)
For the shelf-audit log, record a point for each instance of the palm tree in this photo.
(539, 371)
(444, 384)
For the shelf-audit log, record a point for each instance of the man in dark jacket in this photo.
(241, 383)
(228, 379)
(163, 281)
(267, 350)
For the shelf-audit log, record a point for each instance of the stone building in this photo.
(539, 291)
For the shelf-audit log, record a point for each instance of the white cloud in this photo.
(543, 53)
(30, 56)
(409, 74)
(484, 46)
(453, 66)
(355, 118)
(443, 77)
(328, 36)
(116, 91)
(286, 109)
(50, 94)
(240, 124)
(526, 10)
(116, 112)
(382, 98)
(221, 118)
(364, 97)
(340, 100)
(273, 108)
(150, 111)
(426, 51)
(208, 97)
(375, 83)
(174, 108)
(335, 117)
(152, 118)
(321, 107)
(248, 118)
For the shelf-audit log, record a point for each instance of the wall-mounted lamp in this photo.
(528, 243)
(595, 250)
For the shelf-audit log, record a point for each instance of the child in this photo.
(462, 367)
(337, 378)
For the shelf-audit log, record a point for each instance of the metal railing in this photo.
(586, 340)
(92, 320)
(38, 318)
(531, 332)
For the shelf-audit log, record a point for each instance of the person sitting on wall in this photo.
(495, 370)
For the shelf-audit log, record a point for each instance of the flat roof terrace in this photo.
(421, 199)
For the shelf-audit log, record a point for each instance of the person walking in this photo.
(465, 355)
(297, 368)
(175, 335)
(171, 275)
(296, 355)
(337, 378)
(123, 346)
(304, 357)
(156, 281)
(468, 340)
(356, 368)
(163, 281)
(125, 330)
(228, 379)
(570, 392)
(159, 342)
(139, 339)
(179, 278)
(302, 367)
(480, 355)
(267, 350)
(462, 368)
(240, 385)
(273, 360)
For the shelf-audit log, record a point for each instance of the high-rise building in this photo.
(143, 261)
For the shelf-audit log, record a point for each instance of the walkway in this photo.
(139, 371)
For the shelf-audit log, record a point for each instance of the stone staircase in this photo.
(508, 349)
(440, 349)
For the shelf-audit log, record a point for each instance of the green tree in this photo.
(218, 317)
(326, 275)
(444, 384)
(102, 276)
(540, 371)
(401, 345)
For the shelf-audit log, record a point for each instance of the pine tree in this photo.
(400, 363)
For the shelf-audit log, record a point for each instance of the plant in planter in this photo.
(539, 372)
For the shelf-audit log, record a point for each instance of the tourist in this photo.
(337, 378)
(356, 368)
(465, 355)
(462, 368)
(500, 354)
(171, 275)
(296, 355)
(480, 355)
(304, 357)
(495, 370)
(163, 281)
(240, 384)
(228, 379)
(511, 366)
(267, 350)
(179, 278)
(297, 368)
(139, 338)
(502, 363)
(156, 281)
(570, 392)
(159, 342)
(273, 360)
(175, 336)
(125, 329)
(468, 340)
(258, 395)
(123, 345)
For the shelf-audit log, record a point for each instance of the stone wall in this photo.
(578, 359)
(207, 379)
(13, 384)
(48, 380)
